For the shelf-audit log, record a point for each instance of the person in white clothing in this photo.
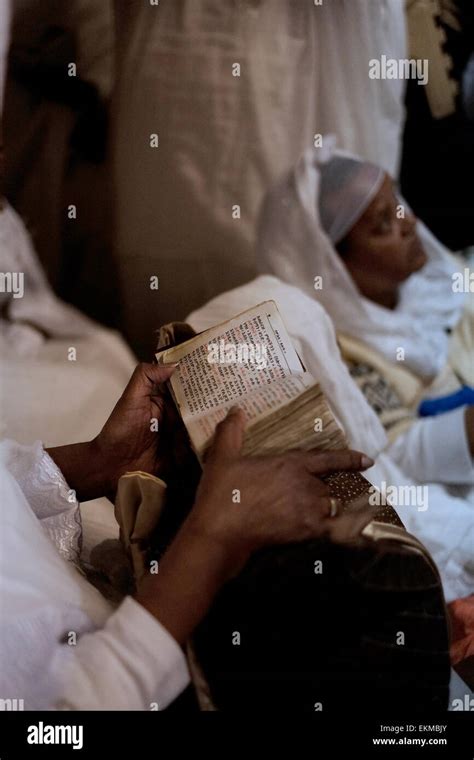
(62, 645)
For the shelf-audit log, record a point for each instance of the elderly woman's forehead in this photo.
(385, 193)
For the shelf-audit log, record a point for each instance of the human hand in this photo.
(469, 423)
(245, 504)
(242, 505)
(141, 431)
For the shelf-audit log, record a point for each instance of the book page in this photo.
(225, 364)
(258, 404)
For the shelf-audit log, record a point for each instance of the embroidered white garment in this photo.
(62, 645)
(293, 245)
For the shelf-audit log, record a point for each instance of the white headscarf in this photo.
(293, 245)
(347, 188)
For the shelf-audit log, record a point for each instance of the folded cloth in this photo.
(138, 506)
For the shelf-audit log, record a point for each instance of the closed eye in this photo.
(383, 223)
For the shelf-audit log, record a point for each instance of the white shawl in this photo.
(293, 246)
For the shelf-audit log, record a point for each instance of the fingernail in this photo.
(234, 410)
(335, 508)
(169, 365)
(366, 461)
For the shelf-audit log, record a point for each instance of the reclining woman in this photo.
(337, 229)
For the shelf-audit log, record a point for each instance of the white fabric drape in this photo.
(224, 139)
(366, 115)
(45, 392)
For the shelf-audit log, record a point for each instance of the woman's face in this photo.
(382, 243)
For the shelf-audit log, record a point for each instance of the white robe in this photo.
(61, 374)
(62, 645)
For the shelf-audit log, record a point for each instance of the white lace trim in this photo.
(50, 498)
(64, 527)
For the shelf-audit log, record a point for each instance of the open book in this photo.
(250, 361)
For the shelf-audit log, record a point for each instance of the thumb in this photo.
(229, 435)
(146, 380)
(158, 373)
